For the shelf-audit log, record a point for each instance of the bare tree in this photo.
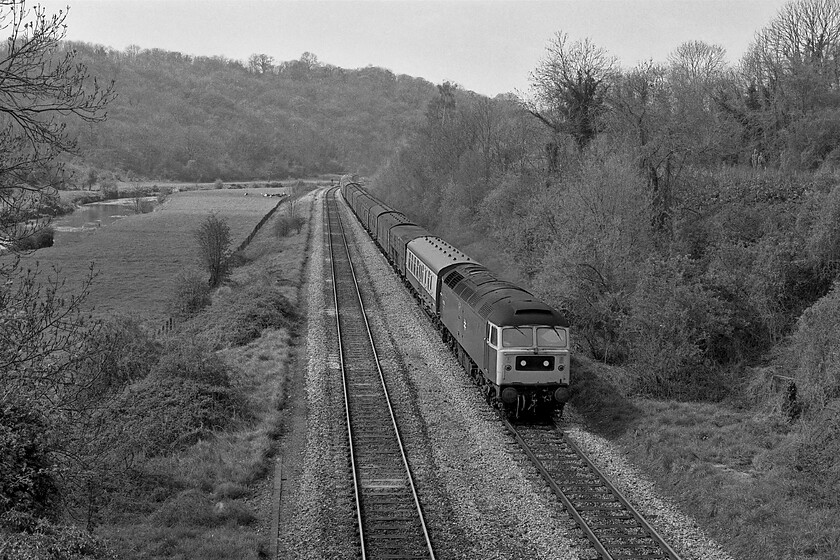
(261, 63)
(795, 61)
(213, 237)
(569, 87)
(40, 84)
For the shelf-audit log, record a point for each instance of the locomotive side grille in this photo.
(464, 292)
(534, 363)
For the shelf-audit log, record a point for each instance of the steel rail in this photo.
(384, 385)
(633, 511)
(599, 546)
(344, 387)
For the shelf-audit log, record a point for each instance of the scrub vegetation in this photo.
(684, 214)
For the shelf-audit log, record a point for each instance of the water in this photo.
(90, 217)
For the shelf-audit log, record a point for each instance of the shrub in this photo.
(260, 308)
(40, 238)
(824, 237)
(213, 238)
(219, 184)
(811, 457)
(124, 351)
(108, 189)
(815, 352)
(195, 362)
(284, 225)
(27, 473)
(240, 317)
(54, 542)
(191, 295)
(672, 324)
(161, 414)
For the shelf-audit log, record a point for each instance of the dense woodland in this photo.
(200, 118)
(684, 213)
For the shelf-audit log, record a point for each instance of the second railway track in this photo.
(389, 516)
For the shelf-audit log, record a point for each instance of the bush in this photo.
(261, 308)
(54, 542)
(219, 184)
(124, 351)
(824, 237)
(179, 403)
(237, 318)
(108, 189)
(195, 362)
(27, 473)
(40, 238)
(284, 225)
(672, 324)
(213, 238)
(815, 352)
(192, 294)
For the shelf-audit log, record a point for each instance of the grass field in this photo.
(139, 258)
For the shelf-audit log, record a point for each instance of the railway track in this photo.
(388, 513)
(613, 526)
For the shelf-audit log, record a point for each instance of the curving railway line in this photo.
(613, 526)
(388, 513)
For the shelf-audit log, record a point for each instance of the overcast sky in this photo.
(485, 46)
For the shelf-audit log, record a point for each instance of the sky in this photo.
(487, 46)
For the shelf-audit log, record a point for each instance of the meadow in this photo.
(139, 258)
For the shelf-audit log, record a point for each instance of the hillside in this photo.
(200, 118)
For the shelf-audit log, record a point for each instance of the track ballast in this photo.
(389, 516)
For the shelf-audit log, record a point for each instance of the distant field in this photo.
(140, 256)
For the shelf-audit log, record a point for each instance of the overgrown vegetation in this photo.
(685, 216)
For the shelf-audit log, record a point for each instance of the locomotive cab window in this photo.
(551, 337)
(517, 336)
(494, 335)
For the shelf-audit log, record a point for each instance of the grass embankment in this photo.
(731, 467)
(140, 257)
(209, 499)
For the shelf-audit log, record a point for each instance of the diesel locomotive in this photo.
(515, 347)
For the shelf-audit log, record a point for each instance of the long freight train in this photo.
(514, 346)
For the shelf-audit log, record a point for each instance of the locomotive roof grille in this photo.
(532, 312)
(453, 279)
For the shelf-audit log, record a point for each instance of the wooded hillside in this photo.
(204, 118)
(684, 213)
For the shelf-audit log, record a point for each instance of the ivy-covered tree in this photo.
(41, 86)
